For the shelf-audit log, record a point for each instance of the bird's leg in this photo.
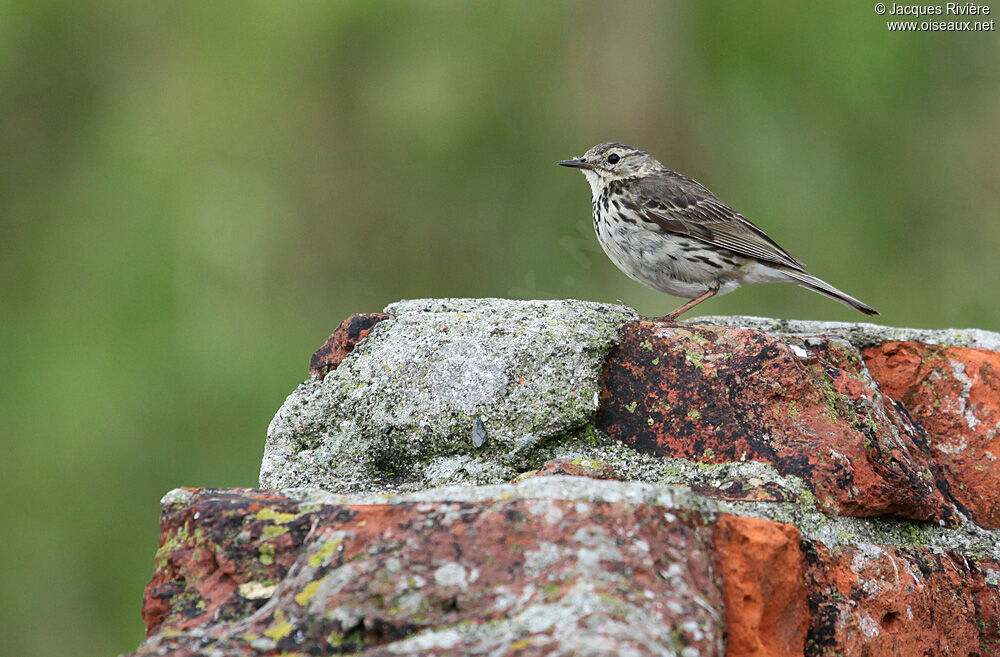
(711, 292)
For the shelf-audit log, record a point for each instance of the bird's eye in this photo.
(613, 158)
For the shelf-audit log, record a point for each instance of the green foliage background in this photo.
(193, 195)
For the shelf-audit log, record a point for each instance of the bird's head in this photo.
(613, 161)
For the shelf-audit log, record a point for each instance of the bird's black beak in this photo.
(576, 164)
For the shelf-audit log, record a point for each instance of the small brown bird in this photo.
(671, 234)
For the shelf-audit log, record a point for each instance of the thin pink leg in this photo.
(712, 291)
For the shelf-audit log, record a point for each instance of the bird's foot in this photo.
(665, 319)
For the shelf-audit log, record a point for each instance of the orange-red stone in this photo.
(871, 601)
(953, 393)
(342, 342)
(716, 394)
(763, 580)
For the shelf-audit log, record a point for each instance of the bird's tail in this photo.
(824, 288)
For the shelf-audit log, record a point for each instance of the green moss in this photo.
(694, 414)
(806, 498)
(695, 358)
(551, 590)
(182, 537)
(910, 534)
(837, 406)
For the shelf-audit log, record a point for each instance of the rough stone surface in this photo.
(399, 412)
(507, 576)
(573, 467)
(807, 406)
(860, 334)
(557, 565)
(953, 393)
(209, 567)
(763, 575)
(465, 391)
(735, 486)
(876, 600)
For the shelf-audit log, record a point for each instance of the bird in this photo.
(670, 233)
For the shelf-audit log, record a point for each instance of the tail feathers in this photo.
(824, 288)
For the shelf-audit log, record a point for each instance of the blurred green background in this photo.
(193, 195)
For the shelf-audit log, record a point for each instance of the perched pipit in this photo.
(670, 233)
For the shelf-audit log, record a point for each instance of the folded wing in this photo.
(681, 205)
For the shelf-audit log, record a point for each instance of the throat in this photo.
(596, 183)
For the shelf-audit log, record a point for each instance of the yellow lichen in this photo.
(319, 557)
(308, 591)
(267, 513)
(280, 628)
(270, 531)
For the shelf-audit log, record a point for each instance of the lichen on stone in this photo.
(400, 411)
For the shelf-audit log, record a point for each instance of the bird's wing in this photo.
(679, 204)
